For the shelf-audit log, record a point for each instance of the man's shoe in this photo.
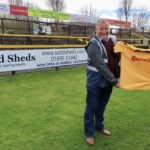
(90, 140)
(105, 132)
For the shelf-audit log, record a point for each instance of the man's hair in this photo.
(101, 21)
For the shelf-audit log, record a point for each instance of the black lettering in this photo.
(1, 58)
(15, 58)
(32, 58)
(23, 58)
(10, 58)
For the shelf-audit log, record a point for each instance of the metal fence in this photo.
(18, 26)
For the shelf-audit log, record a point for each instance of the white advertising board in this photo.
(13, 60)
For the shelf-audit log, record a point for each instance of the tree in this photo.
(56, 5)
(125, 8)
(30, 5)
(90, 11)
(26, 4)
(140, 17)
(21, 3)
(120, 13)
(16, 2)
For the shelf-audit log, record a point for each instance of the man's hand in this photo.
(118, 85)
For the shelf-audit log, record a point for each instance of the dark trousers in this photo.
(97, 99)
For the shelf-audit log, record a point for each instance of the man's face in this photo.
(102, 30)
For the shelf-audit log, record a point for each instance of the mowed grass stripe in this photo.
(44, 111)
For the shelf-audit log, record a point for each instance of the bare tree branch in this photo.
(56, 5)
(120, 13)
(125, 7)
(30, 5)
(89, 10)
(140, 17)
(16, 2)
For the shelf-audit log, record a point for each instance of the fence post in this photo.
(120, 33)
(110, 30)
(29, 27)
(148, 43)
(56, 68)
(130, 35)
(13, 73)
(85, 31)
(2, 25)
(69, 30)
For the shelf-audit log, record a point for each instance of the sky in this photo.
(106, 8)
